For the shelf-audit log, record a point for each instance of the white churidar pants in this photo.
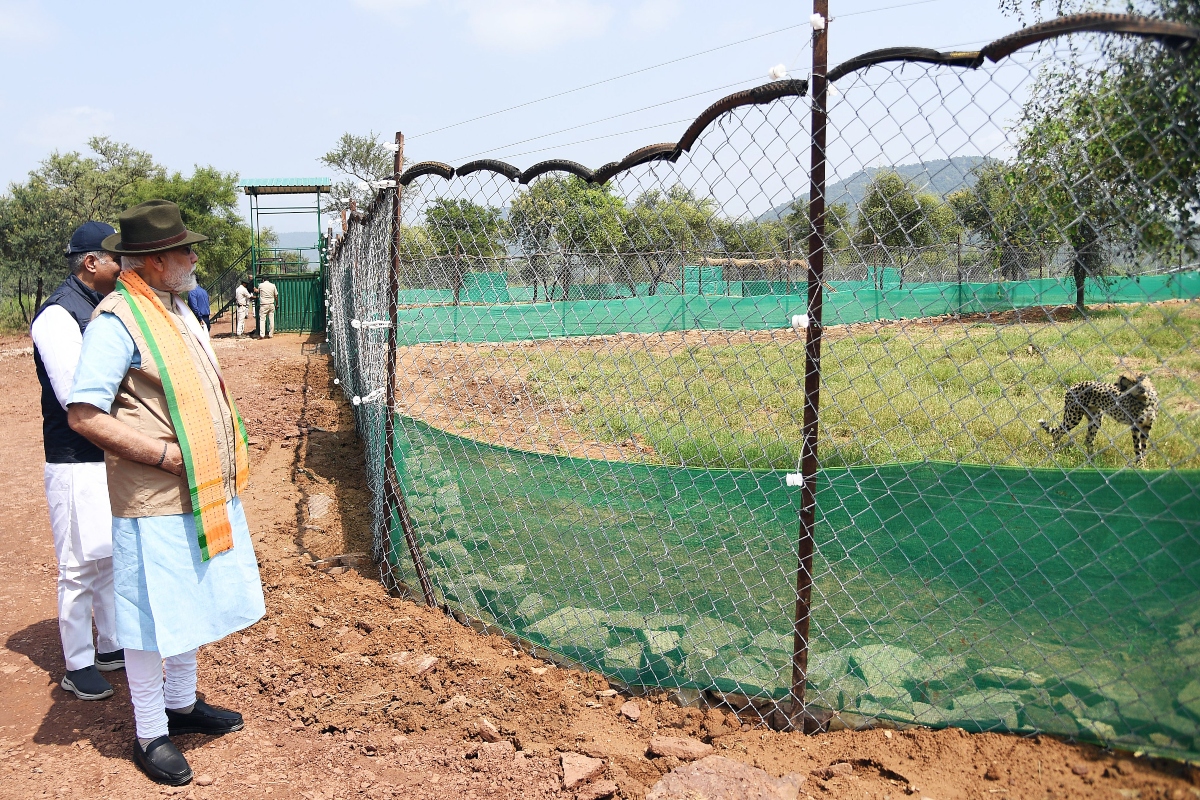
(77, 495)
(151, 695)
(240, 317)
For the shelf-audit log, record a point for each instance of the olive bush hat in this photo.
(151, 227)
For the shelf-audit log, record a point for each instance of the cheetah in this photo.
(1132, 402)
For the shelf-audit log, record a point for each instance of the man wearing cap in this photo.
(76, 486)
(241, 297)
(150, 393)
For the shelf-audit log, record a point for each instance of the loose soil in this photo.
(349, 692)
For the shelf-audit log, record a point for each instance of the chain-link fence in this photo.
(592, 434)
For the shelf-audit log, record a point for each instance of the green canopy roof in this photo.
(286, 185)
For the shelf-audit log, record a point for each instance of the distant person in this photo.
(184, 568)
(76, 483)
(267, 293)
(197, 300)
(241, 297)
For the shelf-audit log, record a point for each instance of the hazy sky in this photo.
(263, 88)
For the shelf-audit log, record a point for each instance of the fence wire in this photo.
(599, 396)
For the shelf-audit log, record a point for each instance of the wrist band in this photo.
(162, 457)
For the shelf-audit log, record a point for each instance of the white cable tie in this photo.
(817, 22)
(799, 320)
(363, 185)
(385, 184)
(777, 72)
(391, 147)
(794, 479)
(367, 324)
(372, 397)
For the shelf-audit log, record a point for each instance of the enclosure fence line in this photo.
(621, 475)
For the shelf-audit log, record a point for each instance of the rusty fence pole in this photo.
(393, 491)
(812, 372)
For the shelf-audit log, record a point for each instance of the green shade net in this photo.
(990, 598)
(738, 305)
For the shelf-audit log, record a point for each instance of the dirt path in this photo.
(351, 693)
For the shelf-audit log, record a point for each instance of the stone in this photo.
(496, 751)
(448, 553)
(487, 731)
(417, 664)
(680, 747)
(317, 622)
(631, 711)
(512, 573)
(623, 656)
(1189, 698)
(889, 672)
(579, 769)
(597, 790)
(1096, 729)
(1079, 768)
(994, 773)
(204, 780)
(659, 642)
(663, 621)
(720, 778)
(712, 634)
(531, 607)
(770, 640)
(1006, 678)
(606, 693)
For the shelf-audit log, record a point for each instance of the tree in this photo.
(897, 221)
(662, 228)
(1116, 138)
(208, 203)
(837, 227)
(38, 215)
(563, 225)
(999, 210)
(361, 161)
(463, 232)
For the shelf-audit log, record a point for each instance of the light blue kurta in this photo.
(167, 599)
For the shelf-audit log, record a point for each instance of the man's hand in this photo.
(122, 441)
(173, 463)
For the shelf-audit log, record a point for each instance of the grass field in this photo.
(950, 391)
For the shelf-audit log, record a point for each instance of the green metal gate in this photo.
(301, 302)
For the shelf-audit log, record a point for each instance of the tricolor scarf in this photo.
(189, 414)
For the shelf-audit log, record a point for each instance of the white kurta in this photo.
(167, 599)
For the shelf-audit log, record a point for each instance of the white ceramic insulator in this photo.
(794, 479)
(799, 320)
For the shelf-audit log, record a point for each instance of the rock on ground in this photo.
(579, 769)
(680, 747)
(720, 778)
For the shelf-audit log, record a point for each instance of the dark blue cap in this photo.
(88, 236)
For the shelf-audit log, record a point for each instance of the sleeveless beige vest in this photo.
(142, 490)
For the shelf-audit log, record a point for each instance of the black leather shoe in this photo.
(204, 719)
(162, 762)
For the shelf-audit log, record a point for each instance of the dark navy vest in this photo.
(63, 445)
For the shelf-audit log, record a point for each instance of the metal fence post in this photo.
(812, 372)
(394, 492)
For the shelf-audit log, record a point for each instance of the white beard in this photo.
(181, 282)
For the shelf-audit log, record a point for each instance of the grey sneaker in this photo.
(87, 684)
(107, 662)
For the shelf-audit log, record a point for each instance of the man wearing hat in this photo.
(76, 486)
(150, 393)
